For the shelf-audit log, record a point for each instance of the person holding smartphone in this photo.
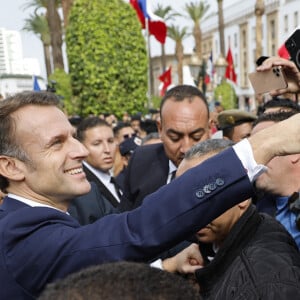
(291, 71)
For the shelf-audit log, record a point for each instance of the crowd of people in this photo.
(187, 204)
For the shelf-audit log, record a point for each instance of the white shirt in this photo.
(104, 178)
(31, 202)
(172, 168)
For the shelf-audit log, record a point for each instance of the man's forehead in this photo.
(40, 118)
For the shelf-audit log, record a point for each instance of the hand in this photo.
(282, 138)
(291, 72)
(187, 261)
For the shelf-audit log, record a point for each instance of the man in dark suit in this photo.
(98, 137)
(90, 207)
(41, 170)
(184, 121)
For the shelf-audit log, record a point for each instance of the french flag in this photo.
(156, 25)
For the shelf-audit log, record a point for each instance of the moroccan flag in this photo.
(230, 73)
(156, 25)
(282, 52)
(166, 79)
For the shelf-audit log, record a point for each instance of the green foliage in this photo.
(156, 101)
(225, 93)
(64, 91)
(107, 57)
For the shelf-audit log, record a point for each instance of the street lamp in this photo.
(197, 68)
(220, 66)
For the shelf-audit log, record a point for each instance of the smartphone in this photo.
(264, 82)
(292, 45)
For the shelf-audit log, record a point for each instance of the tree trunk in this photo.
(66, 7)
(198, 36)
(221, 27)
(47, 57)
(56, 34)
(179, 56)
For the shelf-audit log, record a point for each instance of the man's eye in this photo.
(56, 142)
(174, 138)
(197, 137)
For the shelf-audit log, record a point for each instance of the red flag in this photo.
(157, 26)
(230, 73)
(282, 52)
(206, 79)
(166, 78)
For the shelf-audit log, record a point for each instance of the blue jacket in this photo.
(39, 245)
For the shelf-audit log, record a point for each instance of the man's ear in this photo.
(295, 158)
(158, 125)
(244, 205)
(10, 168)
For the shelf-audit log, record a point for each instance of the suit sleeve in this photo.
(60, 246)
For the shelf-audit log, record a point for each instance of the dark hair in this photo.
(273, 117)
(119, 126)
(283, 103)
(149, 126)
(182, 92)
(9, 145)
(88, 123)
(121, 281)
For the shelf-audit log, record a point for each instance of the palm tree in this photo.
(196, 11)
(166, 14)
(38, 25)
(55, 27)
(221, 26)
(54, 24)
(66, 7)
(178, 35)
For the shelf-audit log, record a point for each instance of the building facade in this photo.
(279, 18)
(16, 72)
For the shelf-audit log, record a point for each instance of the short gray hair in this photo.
(207, 147)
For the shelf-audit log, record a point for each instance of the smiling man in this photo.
(41, 170)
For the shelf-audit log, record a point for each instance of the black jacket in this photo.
(258, 260)
(147, 171)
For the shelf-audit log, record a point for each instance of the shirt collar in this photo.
(102, 176)
(172, 167)
(31, 203)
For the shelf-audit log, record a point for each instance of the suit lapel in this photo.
(102, 188)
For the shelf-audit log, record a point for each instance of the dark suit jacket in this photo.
(90, 207)
(39, 245)
(147, 171)
(91, 177)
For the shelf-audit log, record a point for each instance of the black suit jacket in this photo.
(90, 207)
(91, 177)
(147, 171)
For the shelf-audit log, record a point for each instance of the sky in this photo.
(13, 15)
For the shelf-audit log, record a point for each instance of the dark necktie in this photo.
(117, 188)
(173, 175)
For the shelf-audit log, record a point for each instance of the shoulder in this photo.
(149, 153)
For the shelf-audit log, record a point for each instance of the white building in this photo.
(16, 71)
(279, 20)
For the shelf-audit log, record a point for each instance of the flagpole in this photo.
(149, 93)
